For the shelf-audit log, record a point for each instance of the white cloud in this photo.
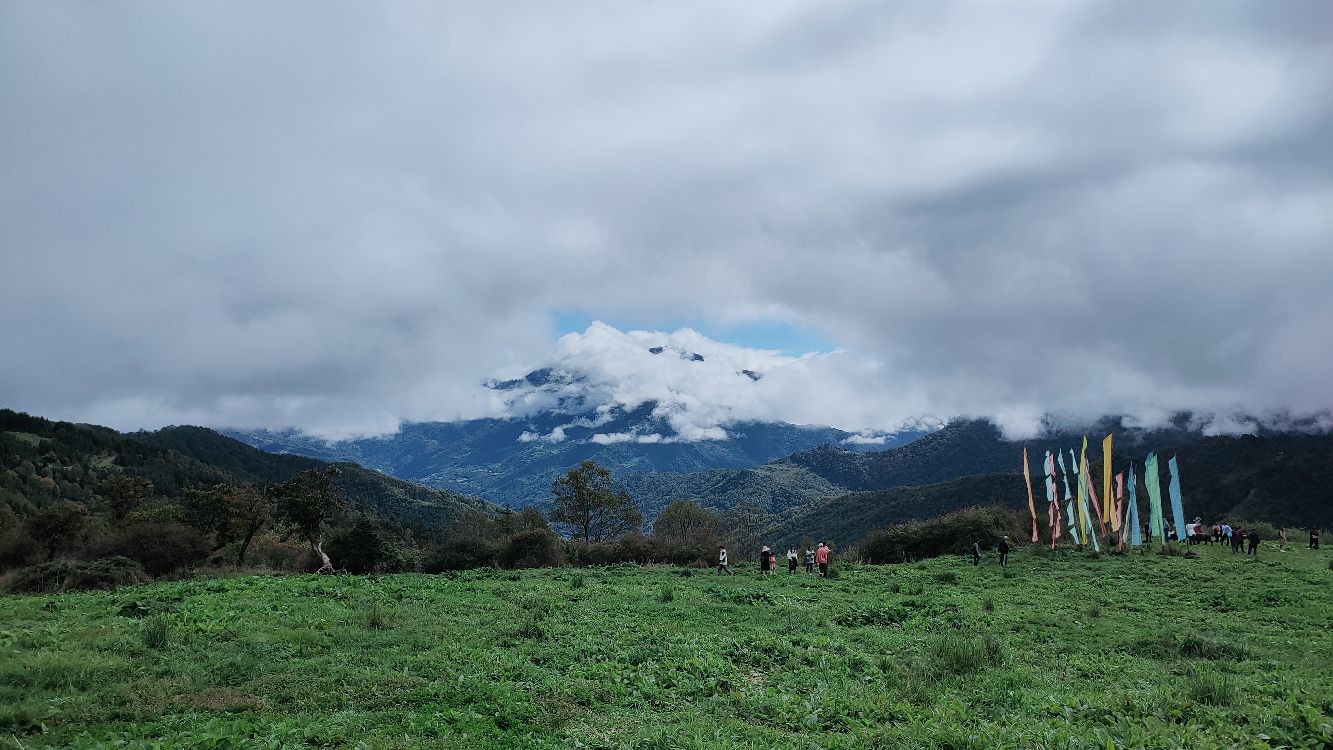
(1072, 208)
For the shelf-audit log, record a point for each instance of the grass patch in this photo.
(955, 653)
(1211, 688)
(155, 632)
(946, 576)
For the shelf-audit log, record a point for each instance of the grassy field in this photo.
(1067, 652)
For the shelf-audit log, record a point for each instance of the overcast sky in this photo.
(337, 215)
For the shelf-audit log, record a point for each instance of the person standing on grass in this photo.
(976, 552)
(1314, 538)
(791, 560)
(1217, 533)
(763, 560)
(1237, 540)
(1282, 538)
(809, 560)
(821, 557)
(1004, 552)
(723, 565)
(772, 562)
(1254, 543)
(1226, 532)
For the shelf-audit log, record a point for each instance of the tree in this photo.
(743, 523)
(308, 501)
(587, 500)
(56, 526)
(230, 513)
(684, 521)
(125, 493)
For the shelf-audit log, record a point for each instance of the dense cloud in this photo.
(339, 217)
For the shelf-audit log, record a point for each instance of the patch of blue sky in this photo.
(772, 334)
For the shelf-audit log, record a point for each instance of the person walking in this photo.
(821, 558)
(791, 560)
(1282, 538)
(1314, 538)
(1004, 552)
(1226, 533)
(723, 564)
(1254, 542)
(809, 560)
(763, 560)
(1237, 540)
(976, 552)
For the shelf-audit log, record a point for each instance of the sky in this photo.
(340, 216)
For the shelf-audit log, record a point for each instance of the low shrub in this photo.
(951, 533)
(891, 614)
(18, 550)
(946, 576)
(666, 594)
(160, 548)
(54, 577)
(988, 604)
(538, 548)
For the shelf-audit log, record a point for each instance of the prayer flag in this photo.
(1064, 473)
(1135, 536)
(1085, 517)
(1032, 508)
(1108, 507)
(1177, 505)
(1154, 482)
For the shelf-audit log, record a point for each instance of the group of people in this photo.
(1002, 548)
(1239, 539)
(768, 560)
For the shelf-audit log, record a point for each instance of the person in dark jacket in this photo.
(1254, 542)
(976, 552)
(809, 560)
(1004, 552)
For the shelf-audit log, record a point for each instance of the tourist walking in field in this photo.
(1254, 542)
(809, 560)
(1282, 538)
(1004, 552)
(791, 560)
(772, 562)
(723, 564)
(1314, 538)
(1227, 531)
(763, 560)
(821, 558)
(976, 552)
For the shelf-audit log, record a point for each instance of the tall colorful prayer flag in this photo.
(1177, 504)
(1108, 507)
(1117, 520)
(1064, 473)
(1154, 482)
(1082, 463)
(1135, 536)
(1052, 500)
(1027, 479)
(1085, 516)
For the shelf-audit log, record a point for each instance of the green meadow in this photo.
(1056, 651)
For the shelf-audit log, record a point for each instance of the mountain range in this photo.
(513, 461)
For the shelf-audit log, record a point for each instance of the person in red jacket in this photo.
(821, 557)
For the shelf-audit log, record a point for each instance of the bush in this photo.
(951, 533)
(159, 547)
(988, 604)
(538, 548)
(18, 549)
(51, 578)
(946, 576)
(458, 554)
(666, 595)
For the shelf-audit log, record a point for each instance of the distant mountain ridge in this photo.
(176, 458)
(514, 461)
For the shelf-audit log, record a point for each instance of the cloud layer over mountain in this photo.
(337, 217)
